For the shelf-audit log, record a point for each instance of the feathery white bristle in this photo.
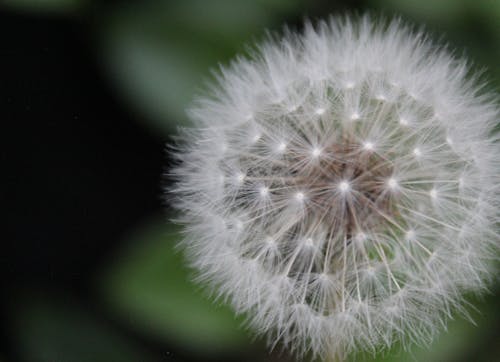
(341, 187)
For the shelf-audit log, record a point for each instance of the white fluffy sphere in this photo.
(341, 186)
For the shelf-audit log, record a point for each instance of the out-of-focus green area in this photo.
(159, 53)
(150, 284)
(156, 55)
(57, 328)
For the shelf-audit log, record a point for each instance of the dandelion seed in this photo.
(344, 186)
(359, 265)
(256, 137)
(281, 147)
(410, 234)
(316, 152)
(309, 242)
(240, 177)
(299, 196)
(392, 183)
(369, 146)
(360, 237)
(354, 116)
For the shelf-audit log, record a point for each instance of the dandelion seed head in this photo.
(334, 235)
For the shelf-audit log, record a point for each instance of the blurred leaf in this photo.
(447, 11)
(490, 8)
(55, 329)
(45, 5)
(158, 53)
(149, 286)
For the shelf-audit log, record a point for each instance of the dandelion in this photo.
(341, 187)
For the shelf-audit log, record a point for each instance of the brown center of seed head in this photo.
(350, 189)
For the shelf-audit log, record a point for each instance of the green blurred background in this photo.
(90, 93)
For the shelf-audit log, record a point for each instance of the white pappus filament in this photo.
(337, 230)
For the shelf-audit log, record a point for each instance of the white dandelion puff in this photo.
(357, 202)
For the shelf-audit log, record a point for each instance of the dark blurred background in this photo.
(90, 94)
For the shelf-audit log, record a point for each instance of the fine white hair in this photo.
(340, 186)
